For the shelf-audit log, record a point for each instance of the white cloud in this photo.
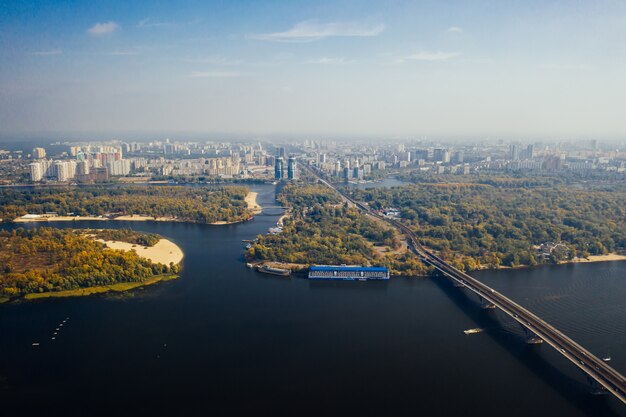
(311, 30)
(103, 29)
(327, 60)
(46, 53)
(215, 74)
(455, 29)
(428, 56)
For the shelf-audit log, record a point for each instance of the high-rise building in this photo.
(279, 168)
(119, 168)
(39, 153)
(515, 152)
(36, 171)
(280, 152)
(65, 170)
(292, 169)
(83, 168)
(530, 151)
(441, 155)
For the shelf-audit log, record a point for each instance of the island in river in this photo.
(206, 205)
(46, 262)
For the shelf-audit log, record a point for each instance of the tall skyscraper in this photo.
(292, 171)
(515, 152)
(36, 171)
(279, 168)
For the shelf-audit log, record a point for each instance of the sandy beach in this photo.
(252, 203)
(132, 217)
(600, 258)
(164, 252)
(139, 218)
(57, 219)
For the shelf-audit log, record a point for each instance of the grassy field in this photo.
(121, 287)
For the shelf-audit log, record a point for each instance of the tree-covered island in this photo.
(178, 203)
(46, 262)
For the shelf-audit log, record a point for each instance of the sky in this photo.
(385, 68)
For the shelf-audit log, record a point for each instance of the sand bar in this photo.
(164, 252)
(601, 258)
(252, 203)
(26, 219)
(132, 217)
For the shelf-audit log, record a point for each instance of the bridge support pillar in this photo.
(531, 338)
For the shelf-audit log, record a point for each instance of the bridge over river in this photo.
(607, 377)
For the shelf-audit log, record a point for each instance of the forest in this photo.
(322, 230)
(493, 222)
(47, 260)
(191, 204)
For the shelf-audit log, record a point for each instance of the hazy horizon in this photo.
(395, 69)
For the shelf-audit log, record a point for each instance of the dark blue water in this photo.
(225, 340)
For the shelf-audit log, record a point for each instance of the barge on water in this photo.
(348, 272)
(274, 271)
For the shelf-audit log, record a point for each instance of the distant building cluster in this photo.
(99, 162)
(362, 161)
(285, 168)
(355, 161)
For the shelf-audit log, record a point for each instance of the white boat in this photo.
(472, 331)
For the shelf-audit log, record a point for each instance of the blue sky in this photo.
(347, 68)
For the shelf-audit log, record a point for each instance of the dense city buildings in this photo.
(352, 161)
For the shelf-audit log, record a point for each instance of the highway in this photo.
(600, 371)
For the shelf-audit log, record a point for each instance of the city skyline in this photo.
(544, 70)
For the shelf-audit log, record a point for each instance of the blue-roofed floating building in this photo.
(351, 272)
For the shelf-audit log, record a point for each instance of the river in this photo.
(225, 340)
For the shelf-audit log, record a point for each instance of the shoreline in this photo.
(102, 289)
(611, 257)
(131, 217)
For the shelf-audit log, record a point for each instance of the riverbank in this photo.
(599, 258)
(164, 252)
(611, 257)
(119, 287)
(133, 218)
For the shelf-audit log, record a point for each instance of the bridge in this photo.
(595, 368)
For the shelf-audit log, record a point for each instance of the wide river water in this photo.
(226, 341)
